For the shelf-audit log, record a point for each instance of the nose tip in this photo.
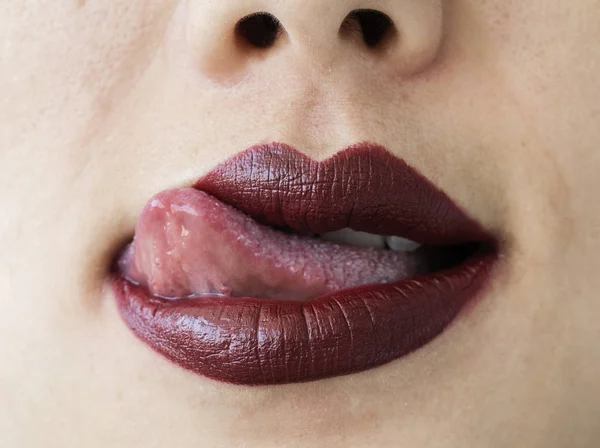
(226, 36)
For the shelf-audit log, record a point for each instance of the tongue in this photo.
(189, 244)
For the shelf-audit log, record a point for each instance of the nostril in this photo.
(374, 26)
(260, 29)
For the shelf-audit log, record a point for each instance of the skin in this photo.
(105, 103)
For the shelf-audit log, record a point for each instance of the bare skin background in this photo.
(106, 103)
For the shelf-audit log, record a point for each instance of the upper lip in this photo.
(365, 188)
(256, 341)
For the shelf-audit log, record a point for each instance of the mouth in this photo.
(275, 268)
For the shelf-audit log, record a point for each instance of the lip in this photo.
(254, 341)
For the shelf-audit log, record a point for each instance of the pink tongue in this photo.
(187, 243)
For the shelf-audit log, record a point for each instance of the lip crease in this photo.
(266, 340)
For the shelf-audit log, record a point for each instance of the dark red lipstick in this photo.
(234, 281)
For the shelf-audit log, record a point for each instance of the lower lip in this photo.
(250, 341)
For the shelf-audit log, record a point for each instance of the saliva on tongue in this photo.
(189, 244)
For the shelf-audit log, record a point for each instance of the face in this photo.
(106, 103)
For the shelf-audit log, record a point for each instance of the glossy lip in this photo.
(253, 341)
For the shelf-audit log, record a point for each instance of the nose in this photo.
(226, 37)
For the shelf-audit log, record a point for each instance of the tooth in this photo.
(354, 238)
(402, 244)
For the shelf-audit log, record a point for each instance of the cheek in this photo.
(76, 60)
(64, 66)
(552, 71)
(546, 60)
(549, 61)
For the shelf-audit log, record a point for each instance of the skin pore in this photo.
(105, 103)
